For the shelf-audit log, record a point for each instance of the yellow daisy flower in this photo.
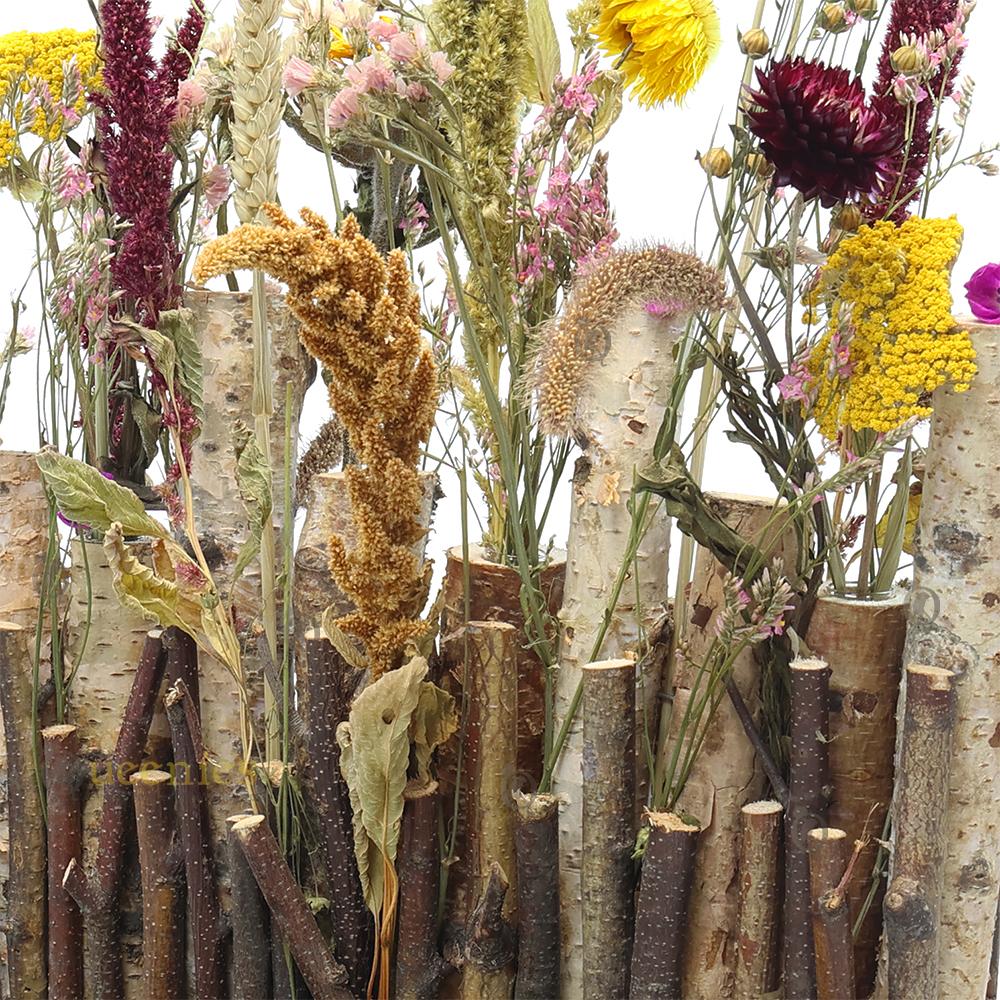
(667, 44)
(340, 47)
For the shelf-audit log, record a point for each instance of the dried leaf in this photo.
(253, 479)
(541, 59)
(375, 755)
(149, 423)
(435, 721)
(84, 496)
(342, 642)
(178, 325)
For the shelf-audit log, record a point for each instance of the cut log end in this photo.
(765, 807)
(150, 778)
(671, 823)
(245, 826)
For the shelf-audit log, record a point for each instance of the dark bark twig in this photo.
(162, 868)
(537, 840)
(64, 777)
(203, 913)
(664, 892)
(26, 881)
(777, 782)
(831, 915)
(251, 926)
(325, 977)
(420, 968)
(608, 826)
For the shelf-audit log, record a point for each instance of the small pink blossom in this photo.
(662, 308)
(403, 48)
(440, 66)
(345, 106)
(215, 186)
(371, 74)
(416, 221)
(380, 30)
(298, 76)
(417, 92)
(191, 97)
(75, 184)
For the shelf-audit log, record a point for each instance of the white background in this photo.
(655, 181)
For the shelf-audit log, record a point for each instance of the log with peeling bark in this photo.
(64, 776)
(608, 826)
(331, 683)
(537, 845)
(955, 599)
(624, 400)
(913, 902)
(495, 595)
(251, 975)
(162, 868)
(808, 787)
(203, 913)
(98, 891)
(325, 977)
(829, 856)
(25, 890)
(661, 916)
(486, 654)
(484, 950)
(726, 773)
(758, 910)
(420, 968)
(862, 641)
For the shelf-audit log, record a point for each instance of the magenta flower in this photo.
(983, 293)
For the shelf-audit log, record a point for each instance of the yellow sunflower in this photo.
(668, 44)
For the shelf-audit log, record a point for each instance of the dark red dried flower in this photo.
(817, 131)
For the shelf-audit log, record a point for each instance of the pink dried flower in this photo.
(371, 74)
(440, 66)
(403, 48)
(191, 97)
(380, 30)
(344, 107)
(297, 76)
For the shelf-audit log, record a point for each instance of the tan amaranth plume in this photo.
(360, 318)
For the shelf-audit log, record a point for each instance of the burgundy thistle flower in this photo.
(983, 293)
(136, 108)
(818, 133)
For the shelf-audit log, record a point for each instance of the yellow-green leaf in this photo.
(253, 479)
(542, 60)
(178, 326)
(341, 641)
(84, 496)
(435, 721)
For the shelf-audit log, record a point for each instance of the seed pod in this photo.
(717, 162)
(755, 43)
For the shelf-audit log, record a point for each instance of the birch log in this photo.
(608, 826)
(913, 902)
(862, 641)
(494, 595)
(661, 917)
(808, 782)
(758, 911)
(223, 323)
(537, 840)
(725, 774)
(954, 625)
(620, 412)
(829, 854)
(25, 889)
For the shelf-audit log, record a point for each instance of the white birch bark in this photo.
(621, 411)
(955, 624)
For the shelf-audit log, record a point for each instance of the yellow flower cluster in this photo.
(360, 317)
(8, 142)
(25, 56)
(668, 43)
(891, 340)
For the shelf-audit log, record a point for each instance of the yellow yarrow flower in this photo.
(340, 47)
(668, 44)
(891, 339)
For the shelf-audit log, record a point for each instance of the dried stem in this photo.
(162, 886)
(537, 841)
(664, 894)
(831, 919)
(420, 969)
(807, 804)
(203, 914)
(608, 826)
(331, 686)
(913, 899)
(325, 977)
(757, 920)
(251, 926)
(26, 882)
(64, 776)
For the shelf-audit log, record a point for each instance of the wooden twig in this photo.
(757, 918)
(64, 777)
(913, 899)
(778, 786)
(251, 925)
(537, 840)
(331, 685)
(485, 950)
(807, 804)
(608, 826)
(664, 894)
(26, 882)
(97, 893)
(203, 913)
(325, 977)
(162, 869)
(831, 916)
(420, 969)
